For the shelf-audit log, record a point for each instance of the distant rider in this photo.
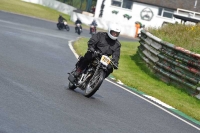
(61, 20)
(78, 21)
(94, 23)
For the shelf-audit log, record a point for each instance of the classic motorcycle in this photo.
(63, 25)
(92, 77)
(78, 28)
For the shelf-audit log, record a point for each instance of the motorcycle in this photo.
(93, 29)
(63, 25)
(78, 29)
(92, 76)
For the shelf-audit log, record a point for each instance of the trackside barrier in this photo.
(172, 64)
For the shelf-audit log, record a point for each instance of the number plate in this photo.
(105, 60)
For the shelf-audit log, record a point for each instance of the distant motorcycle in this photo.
(63, 25)
(92, 77)
(93, 29)
(78, 29)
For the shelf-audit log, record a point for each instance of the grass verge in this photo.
(185, 36)
(20, 7)
(134, 73)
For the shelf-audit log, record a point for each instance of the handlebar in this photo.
(115, 66)
(100, 54)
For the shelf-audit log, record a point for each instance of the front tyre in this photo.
(71, 86)
(79, 31)
(67, 28)
(58, 26)
(94, 84)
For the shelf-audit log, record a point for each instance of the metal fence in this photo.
(172, 64)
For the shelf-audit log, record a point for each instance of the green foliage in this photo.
(79, 4)
(185, 36)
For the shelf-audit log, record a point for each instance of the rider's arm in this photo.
(59, 19)
(93, 41)
(116, 54)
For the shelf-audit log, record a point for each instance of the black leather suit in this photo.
(103, 43)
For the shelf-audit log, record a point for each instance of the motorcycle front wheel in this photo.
(58, 26)
(94, 84)
(79, 31)
(67, 28)
(71, 86)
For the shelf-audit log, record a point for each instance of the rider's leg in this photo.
(83, 62)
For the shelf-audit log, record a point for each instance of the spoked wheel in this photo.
(67, 28)
(79, 31)
(58, 26)
(94, 84)
(71, 86)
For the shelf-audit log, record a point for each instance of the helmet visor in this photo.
(114, 33)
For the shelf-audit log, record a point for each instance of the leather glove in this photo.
(96, 53)
(115, 64)
(109, 67)
(113, 60)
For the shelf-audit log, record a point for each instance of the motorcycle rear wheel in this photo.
(94, 84)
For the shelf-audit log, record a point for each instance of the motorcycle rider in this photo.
(105, 43)
(61, 20)
(78, 21)
(94, 23)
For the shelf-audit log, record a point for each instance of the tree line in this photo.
(84, 5)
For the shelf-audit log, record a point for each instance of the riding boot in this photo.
(78, 72)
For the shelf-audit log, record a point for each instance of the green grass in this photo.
(186, 36)
(18, 6)
(134, 73)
